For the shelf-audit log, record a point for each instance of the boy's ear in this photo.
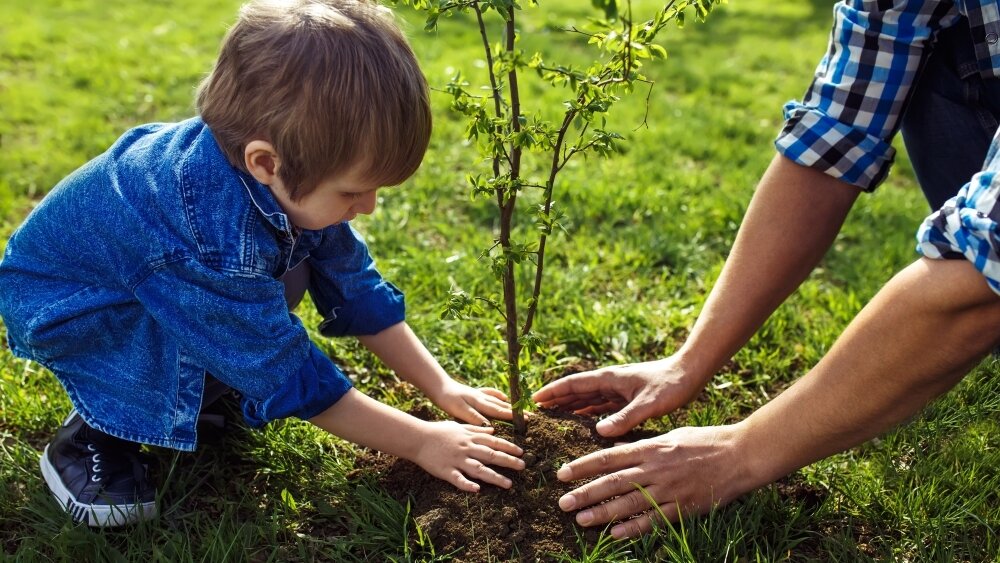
(262, 161)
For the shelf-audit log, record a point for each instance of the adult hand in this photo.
(470, 404)
(633, 392)
(457, 453)
(687, 471)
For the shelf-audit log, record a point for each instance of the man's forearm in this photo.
(792, 220)
(920, 335)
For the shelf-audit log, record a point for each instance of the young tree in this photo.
(504, 131)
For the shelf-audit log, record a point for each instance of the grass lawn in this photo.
(648, 233)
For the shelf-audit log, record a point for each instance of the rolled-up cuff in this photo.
(367, 314)
(812, 138)
(316, 386)
(967, 225)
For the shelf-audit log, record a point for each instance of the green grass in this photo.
(648, 233)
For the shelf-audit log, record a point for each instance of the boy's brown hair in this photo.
(331, 84)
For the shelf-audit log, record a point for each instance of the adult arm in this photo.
(792, 220)
(841, 131)
(891, 361)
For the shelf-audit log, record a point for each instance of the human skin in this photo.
(889, 363)
(793, 218)
(447, 450)
(401, 351)
(797, 210)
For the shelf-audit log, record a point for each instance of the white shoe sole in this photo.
(94, 515)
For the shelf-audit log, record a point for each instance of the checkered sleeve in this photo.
(968, 225)
(846, 121)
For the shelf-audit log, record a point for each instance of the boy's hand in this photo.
(472, 405)
(457, 453)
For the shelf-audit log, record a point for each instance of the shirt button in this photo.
(992, 37)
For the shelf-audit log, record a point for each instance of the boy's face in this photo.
(334, 200)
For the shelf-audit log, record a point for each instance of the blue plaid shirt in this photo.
(967, 225)
(851, 111)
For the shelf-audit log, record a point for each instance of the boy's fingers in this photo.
(483, 473)
(495, 410)
(499, 444)
(455, 477)
(479, 419)
(493, 392)
(496, 401)
(479, 429)
(472, 416)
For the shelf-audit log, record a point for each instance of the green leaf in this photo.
(609, 7)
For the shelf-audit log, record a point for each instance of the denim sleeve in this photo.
(348, 291)
(851, 111)
(240, 330)
(968, 225)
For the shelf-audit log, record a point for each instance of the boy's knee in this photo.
(296, 283)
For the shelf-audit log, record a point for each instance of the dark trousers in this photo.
(951, 117)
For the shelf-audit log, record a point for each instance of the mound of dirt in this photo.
(523, 523)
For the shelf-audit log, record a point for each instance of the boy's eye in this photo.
(351, 195)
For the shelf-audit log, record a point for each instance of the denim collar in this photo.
(261, 196)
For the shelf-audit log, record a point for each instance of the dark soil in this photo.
(523, 523)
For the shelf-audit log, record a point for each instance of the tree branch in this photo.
(549, 186)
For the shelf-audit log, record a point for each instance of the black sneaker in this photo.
(97, 478)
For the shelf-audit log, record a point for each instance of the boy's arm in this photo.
(450, 451)
(401, 351)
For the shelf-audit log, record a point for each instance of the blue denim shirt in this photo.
(158, 261)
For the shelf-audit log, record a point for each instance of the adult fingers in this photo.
(576, 384)
(623, 506)
(644, 524)
(577, 402)
(599, 409)
(562, 401)
(601, 462)
(612, 485)
(627, 418)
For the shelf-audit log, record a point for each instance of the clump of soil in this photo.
(521, 523)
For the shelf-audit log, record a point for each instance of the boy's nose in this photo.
(366, 205)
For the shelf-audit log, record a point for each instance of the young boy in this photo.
(178, 252)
